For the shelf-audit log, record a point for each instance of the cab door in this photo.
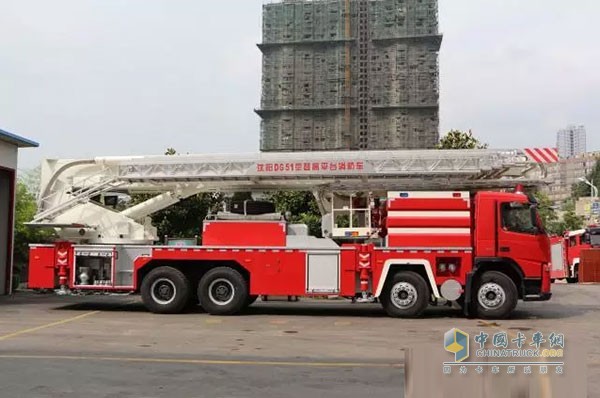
(521, 237)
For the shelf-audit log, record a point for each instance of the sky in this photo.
(90, 78)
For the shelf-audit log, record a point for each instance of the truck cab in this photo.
(509, 237)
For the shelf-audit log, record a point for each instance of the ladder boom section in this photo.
(67, 186)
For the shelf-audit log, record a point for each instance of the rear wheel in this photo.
(165, 290)
(496, 295)
(406, 295)
(223, 291)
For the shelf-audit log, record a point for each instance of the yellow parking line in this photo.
(278, 322)
(207, 361)
(48, 325)
(342, 323)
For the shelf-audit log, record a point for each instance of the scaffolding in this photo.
(349, 75)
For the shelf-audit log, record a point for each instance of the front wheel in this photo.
(165, 290)
(406, 295)
(223, 291)
(496, 295)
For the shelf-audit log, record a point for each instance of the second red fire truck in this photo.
(566, 252)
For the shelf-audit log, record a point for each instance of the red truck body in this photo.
(566, 254)
(483, 252)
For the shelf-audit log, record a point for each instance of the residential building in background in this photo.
(565, 173)
(571, 141)
(350, 75)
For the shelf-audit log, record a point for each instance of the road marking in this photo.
(48, 325)
(278, 322)
(342, 323)
(208, 361)
(545, 386)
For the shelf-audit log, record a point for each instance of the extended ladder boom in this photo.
(68, 185)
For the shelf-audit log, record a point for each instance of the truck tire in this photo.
(165, 290)
(406, 295)
(496, 295)
(223, 291)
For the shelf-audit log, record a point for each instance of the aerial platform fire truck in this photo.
(406, 228)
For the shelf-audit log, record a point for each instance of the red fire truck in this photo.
(566, 252)
(408, 249)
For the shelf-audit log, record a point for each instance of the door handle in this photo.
(504, 249)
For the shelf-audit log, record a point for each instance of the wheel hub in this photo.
(491, 296)
(221, 291)
(404, 295)
(163, 291)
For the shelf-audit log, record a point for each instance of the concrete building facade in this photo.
(565, 173)
(571, 141)
(350, 75)
(9, 146)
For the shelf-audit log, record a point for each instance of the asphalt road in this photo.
(91, 378)
(111, 347)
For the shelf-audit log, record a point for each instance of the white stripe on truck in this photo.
(429, 214)
(406, 261)
(429, 231)
(428, 195)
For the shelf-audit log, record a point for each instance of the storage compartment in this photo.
(126, 256)
(244, 233)
(557, 256)
(322, 273)
(94, 266)
(428, 219)
(42, 273)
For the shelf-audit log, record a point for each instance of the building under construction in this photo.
(350, 74)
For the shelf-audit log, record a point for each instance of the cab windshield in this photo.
(521, 218)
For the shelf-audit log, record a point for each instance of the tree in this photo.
(581, 189)
(302, 207)
(32, 180)
(548, 214)
(456, 139)
(571, 221)
(184, 218)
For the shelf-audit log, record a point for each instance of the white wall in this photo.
(8, 155)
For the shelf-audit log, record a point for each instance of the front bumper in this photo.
(533, 290)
